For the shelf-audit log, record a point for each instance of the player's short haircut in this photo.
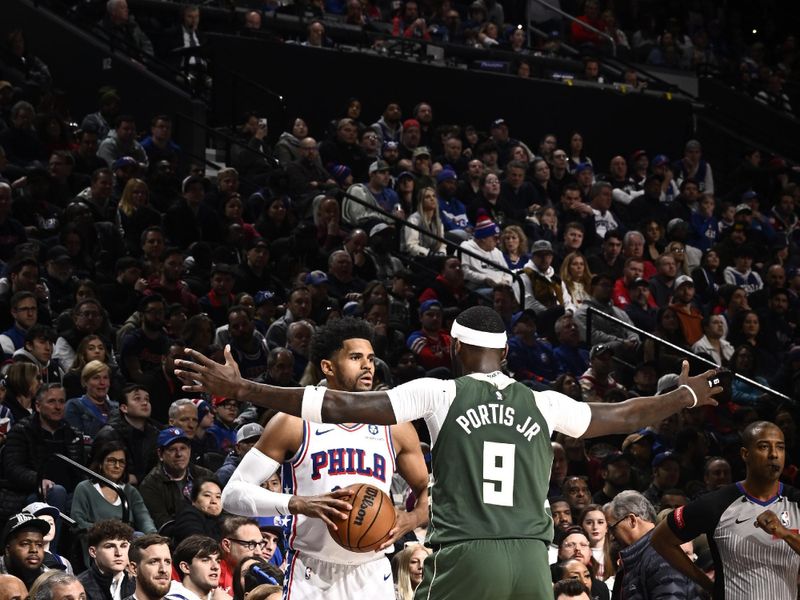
(194, 546)
(144, 542)
(572, 588)
(631, 502)
(750, 433)
(108, 529)
(482, 318)
(330, 338)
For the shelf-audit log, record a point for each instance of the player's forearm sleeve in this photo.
(243, 495)
(421, 398)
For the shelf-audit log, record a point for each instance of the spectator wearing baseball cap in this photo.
(167, 489)
(23, 547)
(246, 437)
(543, 289)
(689, 316)
(452, 211)
(597, 382)
(254, 273)
(431, 343)
(377, 195)
(615, 471)
(530, 358)
(42, 510)
(481, 272)
(666, 474)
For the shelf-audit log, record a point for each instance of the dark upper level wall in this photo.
(317, 82)
(81, 65)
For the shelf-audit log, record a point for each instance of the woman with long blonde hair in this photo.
(134, 213)
(408, 566)
(427, 217)
(576, 280)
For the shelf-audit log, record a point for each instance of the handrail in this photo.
(582, 24)
(229, 138)
(123, 498)
(591, 310)
(450, 244)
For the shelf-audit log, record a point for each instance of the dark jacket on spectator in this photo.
(141, 444)
(98, 585)
(192, 521)
(645, 574)
(28, 452)
(162, 496)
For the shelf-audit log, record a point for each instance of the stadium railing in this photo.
(123, 498)
(592, 313)
(456, 249)
(580, 23)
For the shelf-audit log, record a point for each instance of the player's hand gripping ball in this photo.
(369, 523)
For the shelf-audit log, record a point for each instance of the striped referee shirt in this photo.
(750, 563)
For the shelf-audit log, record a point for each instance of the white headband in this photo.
(473, 337)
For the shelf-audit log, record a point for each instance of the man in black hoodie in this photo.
(107, 576)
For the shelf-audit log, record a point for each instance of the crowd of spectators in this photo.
(118, 252)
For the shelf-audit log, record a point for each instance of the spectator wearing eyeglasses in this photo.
(97, 501)
(167, 488)
(241, 538)
(644, 573)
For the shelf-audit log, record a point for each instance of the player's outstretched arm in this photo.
(633, 414)
(769, 522)
(201, 374)
(668, 545)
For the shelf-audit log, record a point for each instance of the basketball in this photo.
(369, 523)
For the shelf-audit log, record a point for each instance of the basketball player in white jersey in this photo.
(318, 461)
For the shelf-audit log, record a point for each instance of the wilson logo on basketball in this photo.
(369, 499)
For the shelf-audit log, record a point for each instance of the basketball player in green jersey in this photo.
(490, 523)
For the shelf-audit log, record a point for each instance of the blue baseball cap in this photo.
(430, 305)
(515, 318)
(274, 524)
(170, 435)
(446, 175)
(263, 297)
(316, 278)
(662, 456)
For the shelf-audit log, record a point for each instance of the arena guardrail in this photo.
(457, 249)
(123, 498)
(592, 312)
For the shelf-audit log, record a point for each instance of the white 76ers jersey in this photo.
(332, 457)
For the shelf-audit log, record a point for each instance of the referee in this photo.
(751, 527)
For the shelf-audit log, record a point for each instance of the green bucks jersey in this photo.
(491, 464)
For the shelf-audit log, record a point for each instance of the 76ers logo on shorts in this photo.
(308, 573)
